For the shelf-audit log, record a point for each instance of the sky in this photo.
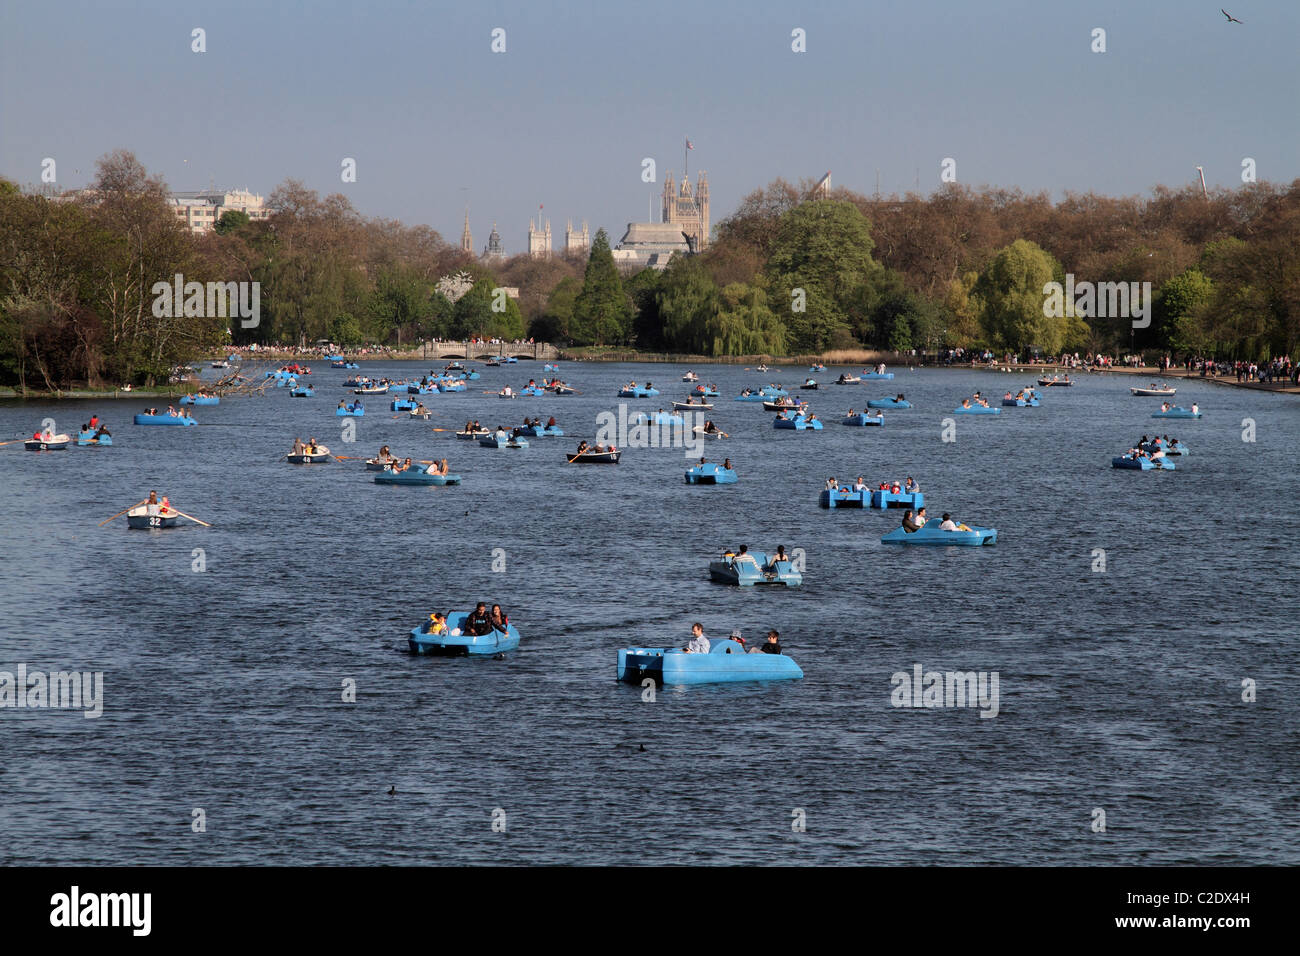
(1011, 90)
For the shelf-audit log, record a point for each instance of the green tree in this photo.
(553, 324)
(1011, 290)
(232, 220)
(820, 257)
(602, 314)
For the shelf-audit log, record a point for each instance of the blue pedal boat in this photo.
(711, 474)
(747, 573)
(844, 498)
(499, 440)
(461, 645)
(355, 381)
(862, 418)
(661, 418)
(902, 499)
(415, 388)
(355, 410)
(1177, 412)
(452, 386)
(536, 391)
(88, 438)
(705, 391)
(541, 431)
(550, 368)
(889, 403)
(201, 400)
(402, 405)
(414, 476)
(726, 662)
(930, 533)
(304, 391)
(183, 420)
(878, 376)
(640, 391)
(1019, 403)
(1143, 464)
(977, 410)
(799, 423)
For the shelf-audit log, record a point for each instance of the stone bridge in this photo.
(480, 351)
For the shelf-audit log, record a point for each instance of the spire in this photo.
(466, 239)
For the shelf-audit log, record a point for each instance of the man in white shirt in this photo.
(859, 485)
(921, 518)
(948, 523)
(698, 644)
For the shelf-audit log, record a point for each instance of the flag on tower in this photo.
(689, 144)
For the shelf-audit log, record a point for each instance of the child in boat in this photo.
(437, 623)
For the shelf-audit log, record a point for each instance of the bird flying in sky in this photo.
(1231, 18)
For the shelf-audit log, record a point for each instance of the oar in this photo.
(191, 517)
(14, 441)
(445, 429)
(579, 455)
(122, 512)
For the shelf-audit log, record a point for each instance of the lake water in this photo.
(1120, 690)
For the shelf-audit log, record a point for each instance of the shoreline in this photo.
(11, 394)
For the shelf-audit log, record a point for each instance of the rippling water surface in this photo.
(1119, 690)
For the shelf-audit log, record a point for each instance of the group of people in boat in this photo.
(977, 399)
(915, 521)
(1024, 395)
(477, 623)
(532, 423)
(154, 507)
(171, 411)
(742, 556)
(711, 429)
(309, 447)
(726, 462)
(1158, 445)
(1169, 406)
(474, 428)
(868, 412)
(351, 406)
(910, 487)
(596, 449)
(803, 413)
(96, 426)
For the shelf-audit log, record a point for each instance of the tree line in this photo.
(791, 271)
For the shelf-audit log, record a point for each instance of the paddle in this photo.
(122, 512)
(192, 518)
(14, 441)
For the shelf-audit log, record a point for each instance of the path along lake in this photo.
(1119, 690)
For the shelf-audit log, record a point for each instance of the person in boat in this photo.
(1196, 409)
(771, 646)
(965, 403)
(698, 644)
(94, 422)
(298, 447)
(710, 428)
(1165, 406)
(384, 454)
(1007, 396)
(850, 414)
(151, 503)
(830, 484)
(896, 488)
(103, 432)
(911, 487)
(735, 636)
(921, 518)
(164, 506)
(726, 463)
(478, 622)
(171, 410)
(777, 558)
(583, 447)
(948, 524)
(342, 405)
(550, 422)
(498, 619)
(744, 557)
(312, 447)
(442, 466)
(909, 522)
(812, 418)
(859, 485)
(437, 623)
(880, 415)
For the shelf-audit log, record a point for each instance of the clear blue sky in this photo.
(585, 90)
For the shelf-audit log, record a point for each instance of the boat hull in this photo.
(542, 431)
(164, 420)
(349, 412)
(878, 377)
(637, 392)
(145, 522)
(596, 458)
(1142, 464)
(861, 420)
(977, 410)
(88, 438)
(888, 403)
(722, 665)
(797, 424)
(930, 534)
(840, 498)
(322, 456)
(56, 443)
(1154, 392)
(1177, 413)
(901, 499)
(414, 478)
(711, 475)
(201, 400)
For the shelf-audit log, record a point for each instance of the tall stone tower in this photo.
(576, 243)
(494, 249)
(688, 208)
(466, 239)
(539, 239)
